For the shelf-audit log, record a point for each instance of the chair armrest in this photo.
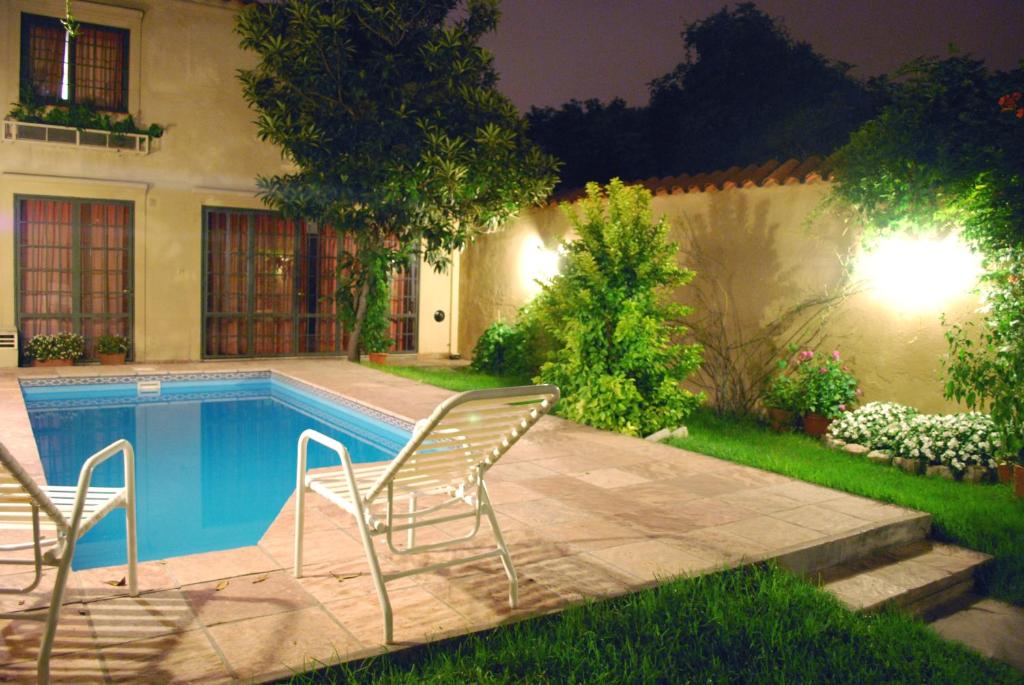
(121, 446)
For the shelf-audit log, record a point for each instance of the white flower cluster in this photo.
(955, 440)
(876, 425)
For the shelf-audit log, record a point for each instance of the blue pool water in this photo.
(215, 460)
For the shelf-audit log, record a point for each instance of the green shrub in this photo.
(60, 346)
(111, 344)
(612, 331)
(825, 385)
(499, 348)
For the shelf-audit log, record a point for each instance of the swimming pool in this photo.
(215, 453)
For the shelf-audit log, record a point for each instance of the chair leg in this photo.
(378, 580)
(300, 520)
(411, 535)
(506, 558)
(53, 614)
(133, 546)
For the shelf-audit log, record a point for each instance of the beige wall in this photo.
(183, 59)
(756, 254)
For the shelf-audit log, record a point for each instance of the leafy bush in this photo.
(826, 385)
(60, 346)
(112, 344)
(876, 425)
(499, 349)
(615, 359)
(782, 392)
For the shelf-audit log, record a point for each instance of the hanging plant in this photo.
(68, 22)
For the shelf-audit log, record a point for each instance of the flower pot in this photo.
(378, 357)
(112, 358)
(1018, 480)
(53, 362)
(816, 425)
(1005, 472)
(780, 419)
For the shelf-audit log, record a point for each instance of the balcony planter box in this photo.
(378, 357)
(112, 359)
(53, 362)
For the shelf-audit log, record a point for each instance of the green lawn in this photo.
(987, 518)
(458, 379)
(751, 625)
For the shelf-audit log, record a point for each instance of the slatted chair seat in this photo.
(56, 516)
(449, 453)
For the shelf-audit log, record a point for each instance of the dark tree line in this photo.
(745, 92)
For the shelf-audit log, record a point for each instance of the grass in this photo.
(453, 378)
(757, 625)
(987, 518)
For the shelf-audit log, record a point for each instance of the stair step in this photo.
(912, 527)
(919, 577)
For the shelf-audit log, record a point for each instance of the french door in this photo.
(74, 267)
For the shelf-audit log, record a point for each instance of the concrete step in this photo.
(910, 527)
(994, 628)
(921, 577)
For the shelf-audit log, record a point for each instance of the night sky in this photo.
(550, 51)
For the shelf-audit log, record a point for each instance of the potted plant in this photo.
(780, 399)
(61, 349)
(111, 349)
(825, 389)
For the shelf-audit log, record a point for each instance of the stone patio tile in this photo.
(866, 509)
(328, 582)
(20, 638)
(125, 619)
(541, 512)
(709, 484)
(199, 568)
(770, 531)
(995, 629)
(589, 534)
(39, 597)
(418, 616)
(804, 492)
(574, 464)
(714, 543)
(657, 470)
(483, 597)
(79, 668)
(863, 590)
(179, 658)
(282, 643)
(760, 501)
(660, 493)
(578, 577)
(318, 546)
(507, 492)
(611, 478)
(709, 511)
(246, 597)
(98, 583)
(909, 574)
(652, 560)
(821, 519)
(514, 472)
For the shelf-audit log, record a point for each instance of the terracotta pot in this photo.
(378, 357)
(816, 425)
(1018, 480)
(53, 362)
(780, 419)
(1005, 472)
(111, 359)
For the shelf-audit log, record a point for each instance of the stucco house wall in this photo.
(183, 57)
(757, 252)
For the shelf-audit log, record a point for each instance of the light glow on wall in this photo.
(919, 274)
(537, 264)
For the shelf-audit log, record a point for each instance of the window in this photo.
(74, 267)
(268, 288)
(91, 68)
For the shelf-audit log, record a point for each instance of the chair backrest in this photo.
(463, 437)
(18, 491)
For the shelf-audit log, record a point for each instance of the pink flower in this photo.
(842, 407)
(859, 392)
(805, 355)
(823, 370)
(835, 354)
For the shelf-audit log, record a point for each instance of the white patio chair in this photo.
(449, 453)
(63, 514)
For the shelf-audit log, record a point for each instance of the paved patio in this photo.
(586, 514)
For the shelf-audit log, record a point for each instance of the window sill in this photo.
(23, 131)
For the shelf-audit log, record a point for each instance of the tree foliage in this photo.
(614, 356)
(746, 92)
(943, 156)
(389, 111)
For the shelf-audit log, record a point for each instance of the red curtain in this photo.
(46, 58)
(100, 67)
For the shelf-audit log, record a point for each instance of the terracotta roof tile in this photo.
(813, 169)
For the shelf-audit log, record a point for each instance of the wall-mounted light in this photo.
(919, 274)
(537, 264)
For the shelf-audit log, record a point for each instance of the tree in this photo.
(389, 111)
(614, 356)
(748, 92)
(595, 141)
(946, 155)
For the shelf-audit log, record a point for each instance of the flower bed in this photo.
(952, 445)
